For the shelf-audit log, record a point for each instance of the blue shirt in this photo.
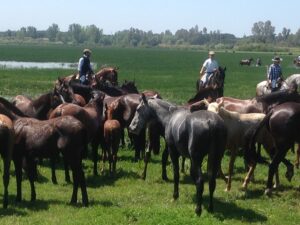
(274, 72)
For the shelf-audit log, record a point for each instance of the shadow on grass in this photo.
(229, 210)
(106, 179)
(11, 212)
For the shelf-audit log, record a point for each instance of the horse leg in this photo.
(146, 161)
(75, 173)
(164, 159)
(6, 166)
(297, 157)
(66, 168)
(95, 144)
(85, 200)
(273, 167)
(31, 175)
(230, 171)
(175, 161)
(289, 169)
(182, 170)
(248, 176)
(53, 175)
(196, 174)
(18, 169)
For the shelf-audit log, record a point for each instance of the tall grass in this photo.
(126, 199)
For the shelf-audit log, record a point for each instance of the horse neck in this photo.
(162, 111)
(10, 110)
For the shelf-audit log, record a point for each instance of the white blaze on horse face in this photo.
(138, 120)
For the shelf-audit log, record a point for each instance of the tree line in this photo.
(263, 34)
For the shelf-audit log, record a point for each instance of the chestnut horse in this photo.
(6, 151)
(112, 136)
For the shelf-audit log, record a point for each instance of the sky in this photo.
(228, 16)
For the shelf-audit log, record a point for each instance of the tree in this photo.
(76, 33)
(52, 32)
(31, 32)
(263, 31)
(93, 33)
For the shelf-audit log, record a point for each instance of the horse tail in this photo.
(250, 154)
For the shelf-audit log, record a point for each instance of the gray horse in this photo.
(193, 135)
(292, 81)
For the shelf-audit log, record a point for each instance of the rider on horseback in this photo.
(85, 67)
(275, 74)
(209, 67)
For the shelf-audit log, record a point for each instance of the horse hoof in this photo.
(289, 174)
(198, 210)
(268, 192)
(227, 189)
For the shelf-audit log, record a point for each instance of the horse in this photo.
(192, 135)
(45, 139)
(7, 136)
(40, 107)
(241, 105)
(210, 93)
(112, 137)
(291, 82)
(283, 123)
(246, 62)
(106, 74)
(216, 81)
(91, 116)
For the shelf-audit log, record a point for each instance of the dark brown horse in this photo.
(6, 151)
(91, 116)
(45, 139)
(283, 122)
(246, 62)
(40, 107)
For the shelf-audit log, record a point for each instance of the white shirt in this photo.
(210, 65)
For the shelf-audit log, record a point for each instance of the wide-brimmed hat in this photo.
(211, 52)
(277, 59)
(87, 51)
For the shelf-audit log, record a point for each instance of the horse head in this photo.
(129, 86)
(109, 74)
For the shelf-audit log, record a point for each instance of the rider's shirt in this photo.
(84, 66)
(274, 72)
(211, 65)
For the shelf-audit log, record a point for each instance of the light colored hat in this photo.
(277, 59)
(211, 52)
(87, 51)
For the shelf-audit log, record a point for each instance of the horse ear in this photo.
(144, 99)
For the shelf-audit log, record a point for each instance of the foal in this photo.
(112, 136)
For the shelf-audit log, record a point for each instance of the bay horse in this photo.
(216, 81)
(193, 135)
(7, 136)
(112, 135)
(246, 62)
(45, 139)
(91, 116)
(106, 74)
(40, 107)
(283, 122)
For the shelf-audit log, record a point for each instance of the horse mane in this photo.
(12, 111)
(201, 94)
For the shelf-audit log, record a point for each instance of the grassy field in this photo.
(126, 199)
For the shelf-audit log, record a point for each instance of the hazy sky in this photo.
(229, 16)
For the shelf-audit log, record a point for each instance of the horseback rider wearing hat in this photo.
(275, 74)
(85, 67)
(209, 67)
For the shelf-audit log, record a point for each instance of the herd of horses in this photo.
(66, 120)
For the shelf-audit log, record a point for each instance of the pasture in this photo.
(126, 198)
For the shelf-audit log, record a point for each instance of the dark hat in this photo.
(277, 59)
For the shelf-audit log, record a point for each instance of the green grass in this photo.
(126, 199)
